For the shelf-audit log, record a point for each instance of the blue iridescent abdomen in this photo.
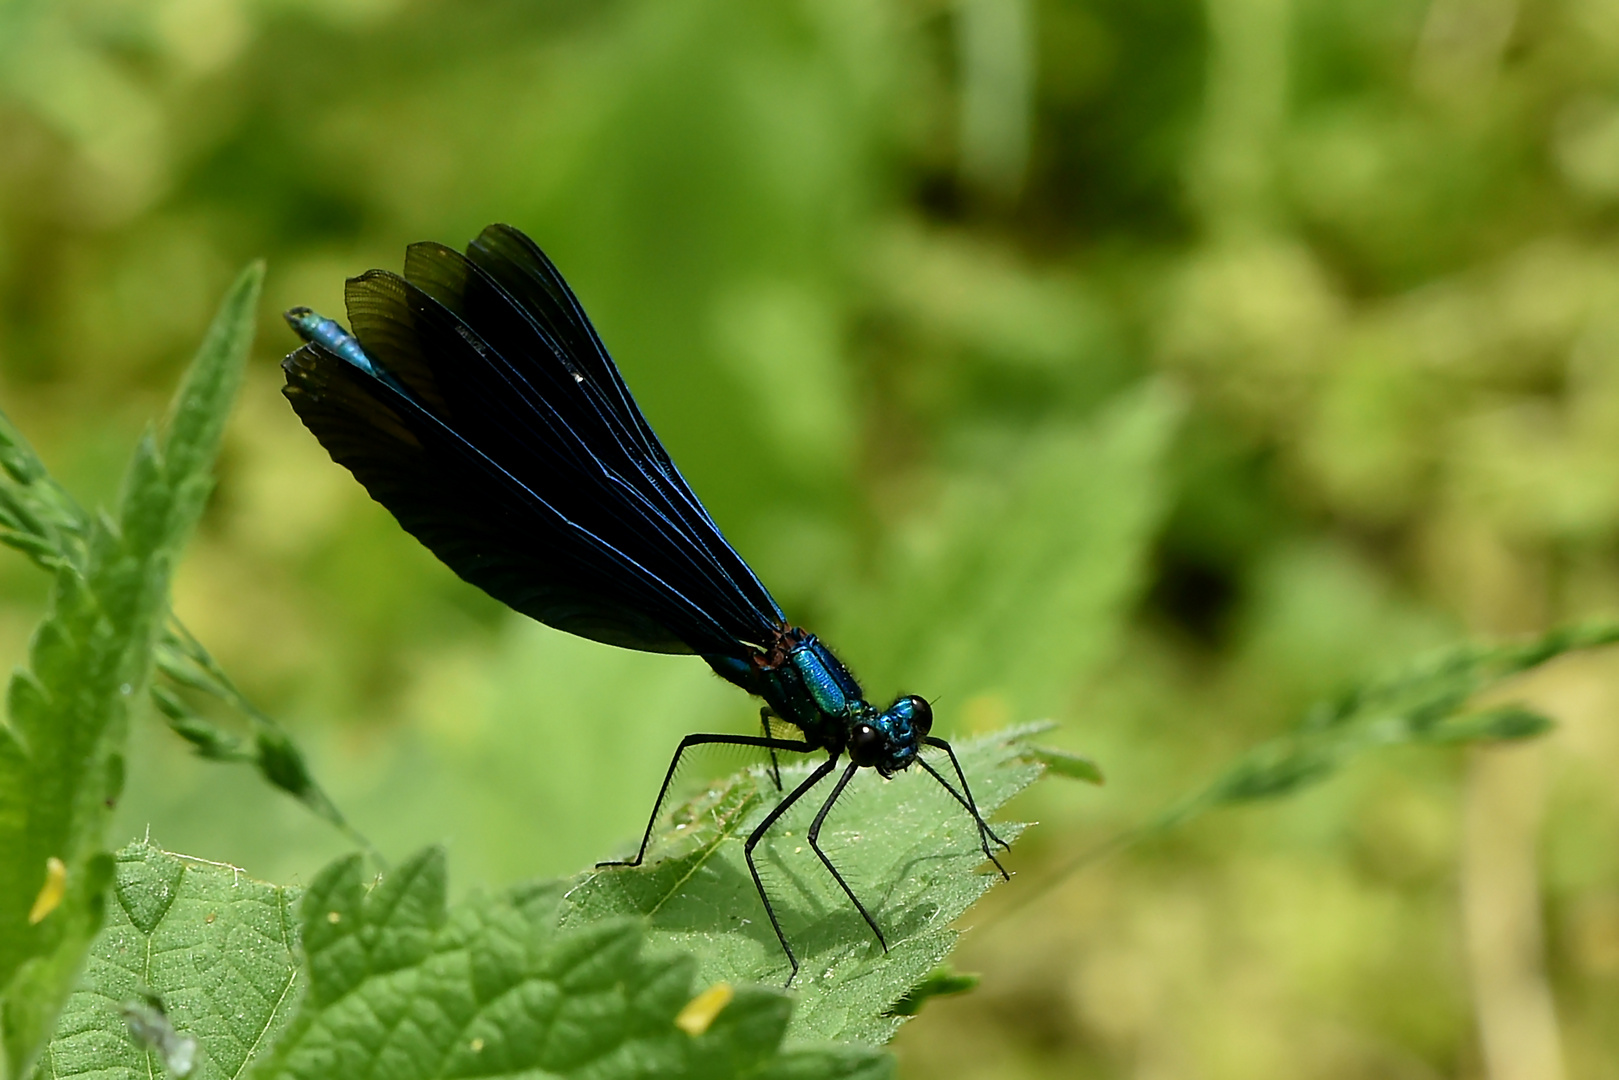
(312, 326)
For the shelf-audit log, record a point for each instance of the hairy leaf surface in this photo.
(214, 945)
(908, 850)
(403, 987)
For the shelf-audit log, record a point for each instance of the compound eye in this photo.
(865, 745)
(921, 715)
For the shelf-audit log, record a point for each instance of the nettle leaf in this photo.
(214, 947)
(61, 764)
(647, 972)
(906, 848)
(402, 987)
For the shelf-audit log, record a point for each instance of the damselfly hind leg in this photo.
(668, 778)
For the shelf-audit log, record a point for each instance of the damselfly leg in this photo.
(985, 833)
(775, 767)
(781, 808)
(815, 845)
(668, 778)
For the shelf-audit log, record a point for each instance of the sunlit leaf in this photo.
(216, 948)
(909, 851)
(402, 987)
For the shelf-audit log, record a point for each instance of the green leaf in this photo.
(942, 981)
(580, 977)
(37, 515)
(61, 764)
(1427, 704)
(214, 946)
(1065, 763)
(201, 407)
(909, 851)
(402, 987)
(1506, 724)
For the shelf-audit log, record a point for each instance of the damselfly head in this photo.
(917, 711)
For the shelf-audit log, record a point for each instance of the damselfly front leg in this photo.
(985, 833)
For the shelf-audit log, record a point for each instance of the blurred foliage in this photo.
(1159, 367)
(62, 747)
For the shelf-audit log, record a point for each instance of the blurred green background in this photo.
(1153, 366)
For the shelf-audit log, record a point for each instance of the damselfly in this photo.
(475, 401)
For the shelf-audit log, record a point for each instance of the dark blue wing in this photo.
(515, 453)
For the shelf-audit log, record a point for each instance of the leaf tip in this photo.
(1065, 763)
(250, 280)
(942, 981)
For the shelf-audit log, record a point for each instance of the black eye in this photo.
(865, 744)
(921, 716)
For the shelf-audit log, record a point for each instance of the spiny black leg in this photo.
(775, 768)
(753, 841)
(971, 805)
(983, 843)
(815, 845)
(668, 778)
